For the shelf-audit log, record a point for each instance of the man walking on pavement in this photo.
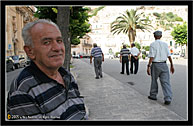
(134, 58)
(158, 55)
(124, 59)
(98, 55)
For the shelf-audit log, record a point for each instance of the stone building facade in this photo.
(16, 18)
(84, 48)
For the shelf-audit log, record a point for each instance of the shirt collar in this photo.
(41, 76)
(157, 40)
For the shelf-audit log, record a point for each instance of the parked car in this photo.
(176, 56)
(182, 55)
(76, 56)
(117, 55)
(81, 56)
(19, 61)
(28, 61)
(86, 56)
(110, 56)
(9, 64)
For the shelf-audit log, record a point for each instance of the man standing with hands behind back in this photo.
(134, 58)
(158, 55)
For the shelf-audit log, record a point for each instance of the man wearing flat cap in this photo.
(158, 55)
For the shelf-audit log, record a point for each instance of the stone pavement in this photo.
(109, 99)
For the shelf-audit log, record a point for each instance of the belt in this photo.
(98, 57)
(159, 62)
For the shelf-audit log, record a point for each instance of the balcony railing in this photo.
(87, 45)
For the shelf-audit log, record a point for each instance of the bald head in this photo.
(26, 32)
(94, 45)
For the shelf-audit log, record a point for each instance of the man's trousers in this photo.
(125, 60)
(136, 64)
(98, 66)
(161, 71)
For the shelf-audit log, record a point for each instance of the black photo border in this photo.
(96, 2)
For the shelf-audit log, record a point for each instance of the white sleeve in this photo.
(151, 52)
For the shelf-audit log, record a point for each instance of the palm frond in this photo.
(129, 22)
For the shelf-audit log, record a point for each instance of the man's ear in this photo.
(29, 51)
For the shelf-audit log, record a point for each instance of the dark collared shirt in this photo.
(96, 52)
(125, 52)
(33, 95)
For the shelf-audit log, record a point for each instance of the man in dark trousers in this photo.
(134, 58)
(98, 55)
(124, 59)
(158, 55)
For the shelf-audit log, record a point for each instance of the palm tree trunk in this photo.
(131, 36)
(63, 23)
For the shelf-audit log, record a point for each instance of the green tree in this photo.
(137, 45)
(129, 22)
(79, 25)
(157, 14)
(46, 13)
(166, 20)
(79, 17)
(179, 34)
(94, 11)
(146, 48)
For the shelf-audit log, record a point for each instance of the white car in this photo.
(76, 56)
(175, 56)
(110, 56)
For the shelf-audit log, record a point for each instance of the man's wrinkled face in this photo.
(48, 47)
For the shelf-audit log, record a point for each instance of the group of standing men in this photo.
(98, 55)
(125, 58)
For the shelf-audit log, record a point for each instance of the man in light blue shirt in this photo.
(158, 55)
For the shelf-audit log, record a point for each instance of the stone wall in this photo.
(16, 18)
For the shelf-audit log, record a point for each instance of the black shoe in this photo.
(152, 98)
(101, 76)
(131, 72)
(127, 74)
(167, 102)
(96, 77)
(121, 73)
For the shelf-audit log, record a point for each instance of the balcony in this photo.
(86, 45)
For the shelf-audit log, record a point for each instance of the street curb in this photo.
(72, 71)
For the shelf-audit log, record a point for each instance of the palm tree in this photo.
(128, 24)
